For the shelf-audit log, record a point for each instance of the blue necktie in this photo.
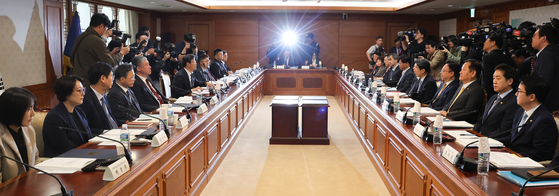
(112, 123)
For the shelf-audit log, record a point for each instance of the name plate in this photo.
(214, 100)
(280, 67)
(385, 105)
(182, 122)
(374, 97)
(450, 154)
(355, 80)
(419, 130)
(400, 116)
(367, 90)
(304, 67)
(202, 109)
(116, 169)
(159, 139)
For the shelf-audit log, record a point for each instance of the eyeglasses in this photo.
(81, 90)
(518, 92)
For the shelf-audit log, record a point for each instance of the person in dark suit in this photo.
(468, 98)
(121, 96)
(397, 49)
(501, 107)
(449, 74)
(183, 83)
(391, 78)
(148, 95)
(216, 66)
(95, 103)
(286, 59)
(143, 49)
(523, 62)
(202, 75)
(425, 86)
(224, 63)
(313, 62)
(493, 57)
(547, 62)
(537, 138)
(70, 92)
(273, 52)
(408, 77)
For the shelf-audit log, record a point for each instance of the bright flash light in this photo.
(289, 38)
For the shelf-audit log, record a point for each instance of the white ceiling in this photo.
(433, 7)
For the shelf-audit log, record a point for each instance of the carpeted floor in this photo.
(253, 167)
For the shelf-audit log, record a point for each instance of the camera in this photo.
(410, 32)
(190, 38)
(112, 26)
(137, 49)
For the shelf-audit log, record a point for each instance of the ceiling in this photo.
(331, 6)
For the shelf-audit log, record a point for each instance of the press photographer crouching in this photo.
(169, 62)
(138, 48)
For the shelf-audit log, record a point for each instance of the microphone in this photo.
(62, 188)
(186, 109)
(164, 124)
(521, 190)
(469, 164)
(337, 63)
(126, 152)
(405, 119)
(363, 65)
(181, 89)
(465, 114)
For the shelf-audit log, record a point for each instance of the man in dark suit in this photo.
(449, 74)
(202, 75)
(147, 94)
(273, 52)
(493, 57)
(425, 86)
(397, 49)
(501, 107)
(537, 138)
(408, 76)
(468, 98)
(142, 49)
(224, 63)
(547, 62)
(183, 83)
(286, 59)
(121, 96)
(391, 78)
(216, 67)
(523, 62)
(95, 103)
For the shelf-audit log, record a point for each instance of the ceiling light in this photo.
(152, 2)
(318, 1)
(284, 0)
(449, 5)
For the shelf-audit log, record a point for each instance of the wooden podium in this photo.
(285, 119)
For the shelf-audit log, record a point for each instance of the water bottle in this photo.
(437, 135)
(170, 115)
(274, 64)
(370, 83)
(125, 136)
(396, 105)
(199, 97)
(416, 117)
(483, 163)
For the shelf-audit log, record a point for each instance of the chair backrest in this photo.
(37, 124)
(165, 81)
(557, 147)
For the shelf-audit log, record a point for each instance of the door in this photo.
(393, 29)
(204, 34)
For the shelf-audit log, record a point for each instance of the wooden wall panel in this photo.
(362, 28)
(236, 27)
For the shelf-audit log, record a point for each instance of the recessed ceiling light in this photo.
(152, 2)
(449, 5)
(184, 10)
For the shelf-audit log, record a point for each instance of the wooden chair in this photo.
(165, 81)
(37, 124)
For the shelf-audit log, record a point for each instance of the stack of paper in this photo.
(391, 94)
(504, 160)
(58, 165)
(407, 101)
(520, 181)
(175, 109)
(464, 138)
(388, 89)
(114, 134)
(424, 110)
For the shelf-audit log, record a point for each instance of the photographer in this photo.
(138, 47)
(310, 46)
(114, 46)
(493, 57)
(417, 45)
(547, 62)
(273, 52)
(89, 47)
(169, 60)
(435, 58)
(453, 51)
(469, 53)
(523, 62)
(375, 48)
(186, 47)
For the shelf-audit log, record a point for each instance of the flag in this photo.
(73, 33)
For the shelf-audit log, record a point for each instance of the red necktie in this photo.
(154, 92)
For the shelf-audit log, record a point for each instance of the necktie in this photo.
(154, 92)
(440, 92)
(191, 81)
(419, 86)
(522, 122)
(403, 73)
(455, 98)
(132, 101)
(494, 104)
(112, 122)
(212, 77)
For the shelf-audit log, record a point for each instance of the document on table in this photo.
(425, 110)
(391, 94)
(175, 109)
(505, 160)
(388, 89)
(184, 100)
(64, 165)
(407, 101)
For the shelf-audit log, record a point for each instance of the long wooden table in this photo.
(184, 165)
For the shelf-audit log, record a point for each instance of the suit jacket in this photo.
(470, 100)
(537, 139)
(393, 50)
(226, 67)
(500, 117)
(93, 110)
(406, 80)
(547, 67)
(488, 64)
(437, 62)
(201, 76)
(391, 78)
(445, 97)
(290, 61)
(59, 141)
(143, 94)
(117, 98)
(182, 81)
(8, 147)
(427, 89)
(217, 69)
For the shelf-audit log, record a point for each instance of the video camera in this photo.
(410, 32)
(112, 26)
(137, 49)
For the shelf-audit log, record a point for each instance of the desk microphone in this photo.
(337, 63)
(405, 119)
(167, 132)
(469, 164)
(363, 65)
(181, 89)
(463, 114)
(521, 190)
(126, 152)
(62, 188)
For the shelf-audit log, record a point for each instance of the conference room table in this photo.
(184, 164)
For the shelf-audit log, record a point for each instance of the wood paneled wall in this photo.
(247, 36)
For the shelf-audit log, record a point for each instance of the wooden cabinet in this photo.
(213, 143)
(414, 177)
(174, 175)
(150, 188)
(350, 106)
(240, 111)
(233, 119)
(224, 131)
(355, 111)
(436, 188)
(246, 101)
(394, 163)
(196, 163)
(370, 130)
(381, 136)
(362, 122)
